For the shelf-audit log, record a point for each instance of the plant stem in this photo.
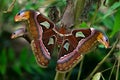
(117, 72)
(95, 14)
(69, 74)
(80, 69)
(101, 62)
(11, 7)
(59, 76)
(112, 70)
(79, 6)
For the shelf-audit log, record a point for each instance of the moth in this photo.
(45, 35)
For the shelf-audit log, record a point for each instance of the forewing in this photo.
(69, 55)
(48, 34)
(43, 47)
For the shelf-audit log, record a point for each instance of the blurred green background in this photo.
(17, 61)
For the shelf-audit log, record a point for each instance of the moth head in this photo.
(102, 38)
(17, 33)
(22, 15)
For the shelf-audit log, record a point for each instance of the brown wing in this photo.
(42, 19)
(69, 54)
(43, 47)
(48, 36)
(39, 54)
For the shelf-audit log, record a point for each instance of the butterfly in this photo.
(44, 35)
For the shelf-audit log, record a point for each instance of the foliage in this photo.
(19, 62)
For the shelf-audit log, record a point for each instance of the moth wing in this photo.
(70, 56)
(48, 34)
(38, 53)
(43, 46)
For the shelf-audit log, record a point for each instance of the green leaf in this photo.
(24, 57)
(25, 61)
(17, 67)
(111, 9)
(11, 55)
(3, 62)
(116, 23)
(97, 76)
(83, 25)
(108, 22)
(37, 68)
(101, 46)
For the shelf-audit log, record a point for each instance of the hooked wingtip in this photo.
(16, 18)
(102, 38)
(106, 44)
(12, 36)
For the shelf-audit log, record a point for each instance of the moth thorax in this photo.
(59, 40)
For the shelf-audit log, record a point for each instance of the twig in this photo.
(80, 69)
(106, 70)
(101, 62)
(11, 7)
(78, 10)
(69, 74)
(95, 13)
(59, 76)
(112, 70)
(117, 72)
(104, 17)
(68, 15)
(54, 14)
(102, 77)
